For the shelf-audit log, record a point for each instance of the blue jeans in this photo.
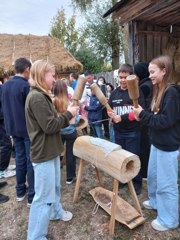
(130, 141)
(23, 167)
(97, 131)
(5, 147)
(163, 187)
(70, 158)
(111, 132)
(46, 203)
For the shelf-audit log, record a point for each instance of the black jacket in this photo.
(1, 112)
(122, 104)
(165, 125)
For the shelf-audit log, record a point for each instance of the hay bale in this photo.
(173, 50)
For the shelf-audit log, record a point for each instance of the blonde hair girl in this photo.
(43, 125)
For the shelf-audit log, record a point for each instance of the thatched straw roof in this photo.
(34, 48)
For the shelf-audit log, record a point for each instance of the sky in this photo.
(30, 16)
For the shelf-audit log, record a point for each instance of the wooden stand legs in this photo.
(80, 170)
(114, 198)
(81, 164)
(113, 208)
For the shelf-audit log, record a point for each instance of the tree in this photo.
(65, 31)
(105, 36)
(76, 41)
(90, 60)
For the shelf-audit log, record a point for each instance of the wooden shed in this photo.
(153, 28)
(34, 48)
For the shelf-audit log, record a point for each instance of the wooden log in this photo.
(100, 96)
(78, 90)
(133, 89)
(120, 164)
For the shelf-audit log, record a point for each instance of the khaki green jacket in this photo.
(44, 126)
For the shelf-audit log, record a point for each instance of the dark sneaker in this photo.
(70, 180)
(122, 185)
(3, 198)
(137, 187)
(3, 184)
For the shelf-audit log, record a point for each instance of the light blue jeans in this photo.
(163, 187)
(46, 203)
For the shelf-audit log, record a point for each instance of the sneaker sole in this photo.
(9, 176)
(20, 199)
(158, 227)
(148, 207)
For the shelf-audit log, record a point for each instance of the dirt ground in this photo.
(84, 225)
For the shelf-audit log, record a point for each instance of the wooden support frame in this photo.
(114, 196)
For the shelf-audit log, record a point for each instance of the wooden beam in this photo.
(154, 33)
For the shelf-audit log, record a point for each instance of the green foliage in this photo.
(83, 5)
(99, 44)
(105, 36)
(89, 60)
(76, 41)
(65, 31)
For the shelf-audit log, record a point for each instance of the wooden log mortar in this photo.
(133, 89)
(78, 90)
(120, 164)
(99, 94)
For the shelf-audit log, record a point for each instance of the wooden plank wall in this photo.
(147, 41)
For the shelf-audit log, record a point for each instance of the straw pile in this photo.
(173, 50)
(34, 48)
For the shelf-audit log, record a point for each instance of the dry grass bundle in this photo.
(34, 48)
(173, 50)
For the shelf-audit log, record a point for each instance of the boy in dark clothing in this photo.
(14, 93)
(126, 129)
(145, 84)
(5, 147)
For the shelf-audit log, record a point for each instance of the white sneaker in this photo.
(29, 205)
(20, 199)
(7, 173)
(11, 167)
(157, 226)
(147, 205)
(67, 216)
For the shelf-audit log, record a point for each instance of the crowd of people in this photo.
(38, 118)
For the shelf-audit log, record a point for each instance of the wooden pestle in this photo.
(78, 90)
(133, 89)
(100, 96)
